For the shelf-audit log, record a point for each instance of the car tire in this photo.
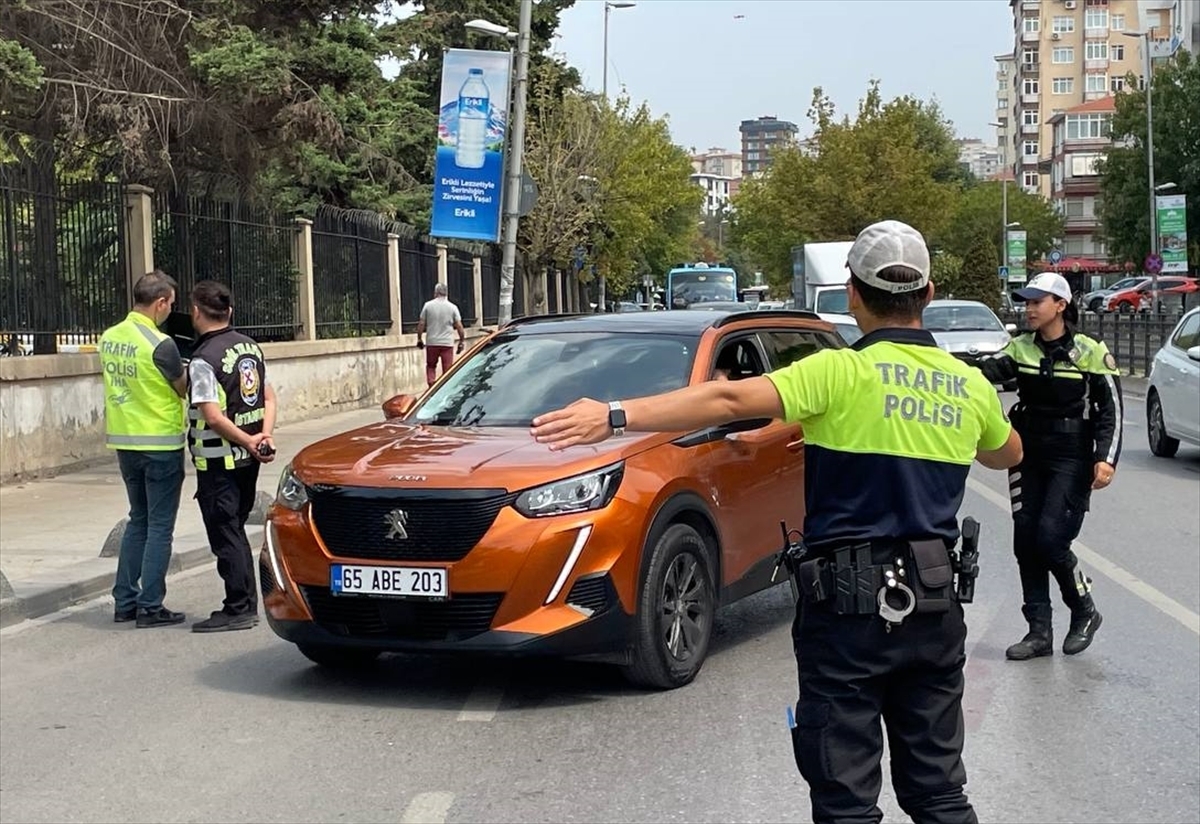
(1161, 444)
(676, 608)
(1124, 308)
(1094, 304)
(337, 657)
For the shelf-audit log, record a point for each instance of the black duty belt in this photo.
(1058, 426)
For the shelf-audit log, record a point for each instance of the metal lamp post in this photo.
(601, 281)
(1003, 211)
(512, 194)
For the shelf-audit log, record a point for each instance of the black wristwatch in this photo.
(616, 418)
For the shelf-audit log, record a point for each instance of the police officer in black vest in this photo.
(232, 416)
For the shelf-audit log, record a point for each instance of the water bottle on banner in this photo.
(473, 114)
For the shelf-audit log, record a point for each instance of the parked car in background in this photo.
(967, 329)
(846, 325)
(1097, 301)
(1173, 395)
(1138, 298)
(447, 528)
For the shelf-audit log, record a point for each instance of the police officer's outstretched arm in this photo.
(999, 444)
(998, 368)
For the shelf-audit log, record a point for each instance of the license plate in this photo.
(394, 582)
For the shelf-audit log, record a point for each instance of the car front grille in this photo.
(456, 619)
(437, 524)
(593, 592)
(266, 579)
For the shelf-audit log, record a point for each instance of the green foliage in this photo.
(978, 279)
(1125, 207)
(19, 69)
(893, 160)
(946, 273)
(980, 212)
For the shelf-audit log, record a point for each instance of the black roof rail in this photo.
(732, 317)
(541, 318)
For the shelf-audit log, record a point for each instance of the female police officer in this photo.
(1069, 416)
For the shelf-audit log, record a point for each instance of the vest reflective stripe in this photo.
(142, 412)
(173, 441)
(211, 451)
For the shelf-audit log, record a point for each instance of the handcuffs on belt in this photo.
(894, 616)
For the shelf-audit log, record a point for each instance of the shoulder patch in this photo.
(1110, 361)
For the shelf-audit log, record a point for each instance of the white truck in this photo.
(819, 276)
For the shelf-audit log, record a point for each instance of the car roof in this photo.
(671, 322)
(953, 302)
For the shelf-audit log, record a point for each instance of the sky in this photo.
(709, 64)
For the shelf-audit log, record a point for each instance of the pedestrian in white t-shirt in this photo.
(440, 318)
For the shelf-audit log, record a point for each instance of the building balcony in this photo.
(1096, 95)
(1031, 68)
(1081, 221)
(1030, 5)
(1096, 63)
(1029, 97)
(1030, 36)
(1096, 33)
(1030, 128)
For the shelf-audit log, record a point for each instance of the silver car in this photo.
(967, 329)
(1173, 396)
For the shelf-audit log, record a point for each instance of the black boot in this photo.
(1085, 620)
(1039, 640)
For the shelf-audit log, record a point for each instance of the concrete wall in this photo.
(52, 406)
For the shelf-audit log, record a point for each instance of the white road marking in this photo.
(428, 808)
(483, 702)
(1159, 600)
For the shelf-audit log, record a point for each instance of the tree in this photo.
(896, 160)
(978, 280)
(1125, 205)
(980, 212)
(946, 273)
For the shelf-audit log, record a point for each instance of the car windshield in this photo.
(961, 319)
(849, 331)
(515, 377)
(833, 301)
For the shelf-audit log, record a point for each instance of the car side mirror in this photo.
(398, 406)
(1194, 353)
(1010, 328)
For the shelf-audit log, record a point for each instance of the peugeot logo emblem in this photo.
(974, 350)
(396, 520)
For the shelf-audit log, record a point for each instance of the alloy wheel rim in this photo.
(684, 608)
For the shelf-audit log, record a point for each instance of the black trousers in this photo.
(1050, 491)
(852, 673)
(226, 498)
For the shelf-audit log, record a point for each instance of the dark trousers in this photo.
(226, 497)
(1050, 491)
(852, 673)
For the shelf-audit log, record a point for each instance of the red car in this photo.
(1138, 298)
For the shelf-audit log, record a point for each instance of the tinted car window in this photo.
(517, 377)
(785, 347)
(1189, 332)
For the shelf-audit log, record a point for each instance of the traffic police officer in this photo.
(1069, 416)
(232, 418)
(892, 426)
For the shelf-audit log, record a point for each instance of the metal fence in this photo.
(246, 248)
(489, 281)
(62, 260)
(1133, 339)
(460, 278)
(350, 275)
(418, 277)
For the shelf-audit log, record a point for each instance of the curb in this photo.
(49, 599)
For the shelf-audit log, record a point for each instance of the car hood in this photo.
(966, 340)
(395, 454)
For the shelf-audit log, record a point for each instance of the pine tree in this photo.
(979, 278)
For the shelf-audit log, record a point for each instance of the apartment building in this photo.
(1066, 53)
(760, 137)
(1005, 100)
(718, 161)
(718, 189)
(1079, 137)
(978, 157)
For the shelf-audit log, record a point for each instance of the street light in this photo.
(609, 5)
(1145, 37)
(1003, 210)
(512, 194)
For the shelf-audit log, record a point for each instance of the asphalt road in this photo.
(107, 723)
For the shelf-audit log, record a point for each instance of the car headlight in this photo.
(292, 492)
(593, 490)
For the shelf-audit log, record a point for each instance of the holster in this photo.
(856, 581)
(933, 584)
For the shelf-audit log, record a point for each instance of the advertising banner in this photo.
(1016, 256)
(472, 125)
(1172, 232)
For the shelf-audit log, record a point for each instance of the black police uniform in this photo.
(892, 426)
(1069, 417)
(227, 368)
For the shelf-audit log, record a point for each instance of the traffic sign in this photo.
(1055, 256)
(1004, 273)
(529, 194)
(1153, 264)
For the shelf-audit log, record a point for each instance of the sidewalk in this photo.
(52, 531)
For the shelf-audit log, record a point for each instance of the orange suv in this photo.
(446, 527)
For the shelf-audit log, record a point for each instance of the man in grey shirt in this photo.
(441, 319)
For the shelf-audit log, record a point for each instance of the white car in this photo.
(846, 326)
(1173, 397)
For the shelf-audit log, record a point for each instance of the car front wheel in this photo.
(1161, 444)
(675, 612)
